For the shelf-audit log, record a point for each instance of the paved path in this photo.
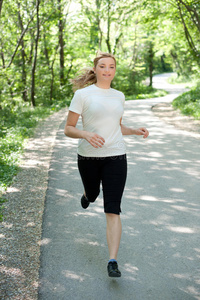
(159, 255)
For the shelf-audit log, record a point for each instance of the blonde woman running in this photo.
(101, 149)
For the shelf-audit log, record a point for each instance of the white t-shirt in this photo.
(101, 111)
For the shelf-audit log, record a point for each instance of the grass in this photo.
(147, 92)
(189, 103)
(17, 124)
(188, 82)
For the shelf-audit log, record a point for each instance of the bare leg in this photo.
(114, 231)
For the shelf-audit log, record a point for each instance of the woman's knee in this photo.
(92, 195)
(112, 217)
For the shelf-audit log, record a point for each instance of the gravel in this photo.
(20, 232)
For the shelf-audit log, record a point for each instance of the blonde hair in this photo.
(87, 75)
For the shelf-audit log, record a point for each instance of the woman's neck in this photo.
(103, 85)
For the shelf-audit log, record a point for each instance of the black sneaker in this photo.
(113, 270)
(84, 202)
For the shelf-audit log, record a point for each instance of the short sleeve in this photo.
(123, 98)
(76, 104)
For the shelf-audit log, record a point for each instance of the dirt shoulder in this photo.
(21, 229)
(168, 114)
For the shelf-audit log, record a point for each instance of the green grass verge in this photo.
(189, 103)
(147, 92)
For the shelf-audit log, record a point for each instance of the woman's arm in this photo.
(71, 131)
(129, 131)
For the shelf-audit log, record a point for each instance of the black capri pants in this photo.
(111, 172)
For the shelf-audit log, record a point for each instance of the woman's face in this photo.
(105, 69)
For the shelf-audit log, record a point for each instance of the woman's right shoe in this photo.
(113, 270)
(84, 202)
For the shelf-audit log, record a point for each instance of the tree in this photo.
(43, 44)
(189, 12)
(61, 42)
(1, 3)
(35, 54)
(23, 56)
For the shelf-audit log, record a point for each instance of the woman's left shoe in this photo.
(113, 270)
(84, 202)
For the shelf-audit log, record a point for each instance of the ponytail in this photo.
(87, 77)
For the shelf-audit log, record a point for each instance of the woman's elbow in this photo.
(66, 131)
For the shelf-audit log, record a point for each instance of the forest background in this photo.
(43, 43)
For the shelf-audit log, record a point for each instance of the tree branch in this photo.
(187, 34)
(190, 10)
(19, 41)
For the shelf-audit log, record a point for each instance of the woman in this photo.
(101, 149)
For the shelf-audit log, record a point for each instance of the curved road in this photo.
(159, 255)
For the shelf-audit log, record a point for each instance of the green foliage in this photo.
(17, 123)
(146, 92)
(189, 103)
(128, 27)
(128, 80)
(191, 81)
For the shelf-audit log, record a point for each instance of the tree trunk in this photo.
(150, 63)
(35, 56)
(52, 75)
(61, 43)
(193, 13)
(52, 82)
(23, 55)
(116, 43)
(7, 78)
(176, 62)
(1, 2)
(191, 43)
(98, 20)
(135, 49)
(162, 59)
(19, 41)
(46, 51)
(108, 29)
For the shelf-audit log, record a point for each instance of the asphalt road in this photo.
(159, 255)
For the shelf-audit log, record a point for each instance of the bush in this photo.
(17, 123)
(189, 103)
(128, 81)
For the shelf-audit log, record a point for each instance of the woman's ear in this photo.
(94, 70)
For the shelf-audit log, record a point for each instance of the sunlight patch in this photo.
(148, 198)
(45, 241)
(74, 276)
(155, 154)
(11, 271)
(177, 190)
(131, 269)
(181, 229)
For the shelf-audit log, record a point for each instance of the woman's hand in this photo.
(142, 131)
(94, 139)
